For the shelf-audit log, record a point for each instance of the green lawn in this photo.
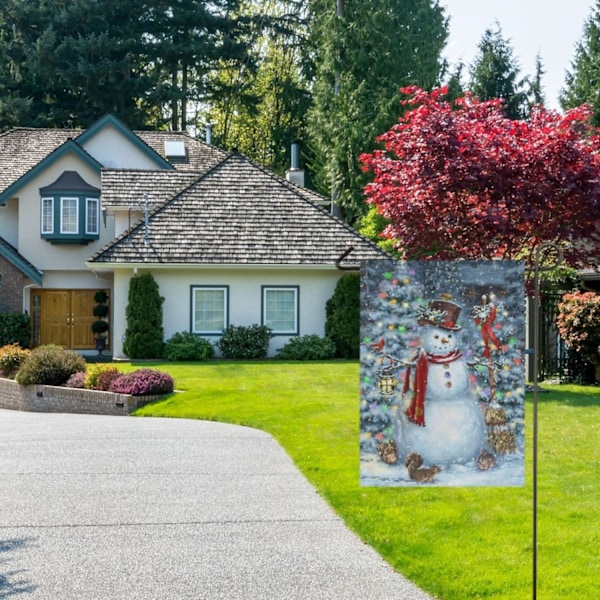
(456, 544)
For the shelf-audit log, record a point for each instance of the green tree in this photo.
(342, 316)
(144, 333)
(186, 41)
(68, 63)
(363, 53)
(495, 73)
(536, 89)
(260, 107)
(13, 107)
(582, 82)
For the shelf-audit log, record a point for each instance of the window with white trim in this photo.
(47, 215)
(281, 309)
(69, 215)
(210, 309)
(91, 215)
(70, 210)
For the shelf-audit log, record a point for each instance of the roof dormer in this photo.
(70, 210)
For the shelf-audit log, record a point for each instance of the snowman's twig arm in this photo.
(478, 361)
(400, 362)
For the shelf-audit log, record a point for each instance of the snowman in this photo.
(440, 419)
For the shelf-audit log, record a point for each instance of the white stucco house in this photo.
(227, 241)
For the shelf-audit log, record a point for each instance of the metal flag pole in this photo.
(542, 248)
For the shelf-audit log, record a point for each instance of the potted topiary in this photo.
(100, 327)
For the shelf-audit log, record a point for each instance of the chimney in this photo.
(209, 133)
(295, 174)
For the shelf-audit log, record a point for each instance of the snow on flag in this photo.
(442, 377)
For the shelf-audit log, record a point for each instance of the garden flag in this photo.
(442, 377)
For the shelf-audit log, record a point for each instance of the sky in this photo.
(546, 27)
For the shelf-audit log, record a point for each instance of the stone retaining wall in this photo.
(50, 398)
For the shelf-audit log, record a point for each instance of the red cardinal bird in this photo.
(377, 346)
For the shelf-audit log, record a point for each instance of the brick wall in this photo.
(49, 398)
(11, 287)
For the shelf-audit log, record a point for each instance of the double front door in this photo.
(63, 317)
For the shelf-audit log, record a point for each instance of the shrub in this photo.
(579, 323)
(101, 310)
(50, 365)
(143, 382)
(106, 379)
(342, 316)
(77, 380)
(250, 341)
(188, 346)
(15, 328)
(99, 376)
(12, 357)
(307, 347)
(99, 328)
(144, 333)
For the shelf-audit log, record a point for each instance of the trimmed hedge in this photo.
(308, 347)
(187, 346)
(248, 342)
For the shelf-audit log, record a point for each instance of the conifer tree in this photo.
(495, 74)
(582, 82)
(144, 333)
(363, 53)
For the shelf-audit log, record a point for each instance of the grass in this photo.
(456, 544)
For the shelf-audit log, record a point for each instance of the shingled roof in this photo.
(124, 187)
(239, 213)
(198, 155)
(23, 148)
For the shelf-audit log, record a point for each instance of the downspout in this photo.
(344, 254)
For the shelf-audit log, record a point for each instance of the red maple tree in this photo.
(461, 180)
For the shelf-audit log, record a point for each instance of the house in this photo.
(227, 241)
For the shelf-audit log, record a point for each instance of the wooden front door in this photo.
(63, 317)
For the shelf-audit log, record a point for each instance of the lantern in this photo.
(387, 380)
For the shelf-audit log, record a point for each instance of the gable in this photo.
(238, 213)
(68, 147)
(23, 148)
(25, 151)
(115, 145)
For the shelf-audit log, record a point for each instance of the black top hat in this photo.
(440, 313)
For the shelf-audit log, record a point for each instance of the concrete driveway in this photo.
(96, 507)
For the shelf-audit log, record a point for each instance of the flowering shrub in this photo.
(12, 357)
(579, 323)
(77, 380)
(97, 372)
(106, 378)
(143, 382)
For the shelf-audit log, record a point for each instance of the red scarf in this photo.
(416, 411)
(488, 333)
